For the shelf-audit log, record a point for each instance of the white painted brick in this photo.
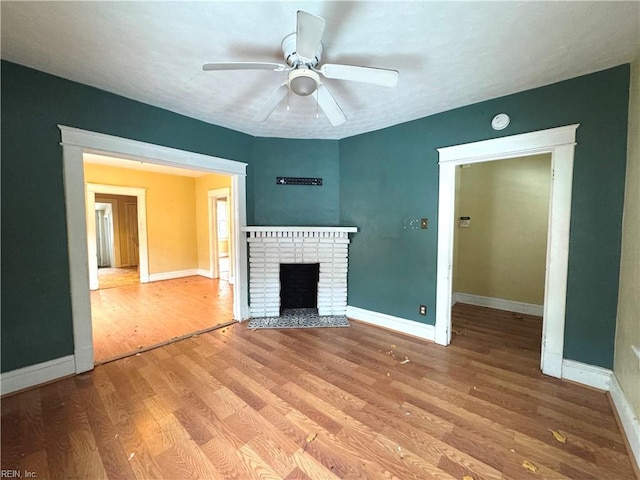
(267, 250)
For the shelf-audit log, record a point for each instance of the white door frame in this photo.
(90, 196)
(76, 142)
(560, 143)
(212, 196)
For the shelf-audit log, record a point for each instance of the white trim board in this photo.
(402, 325)
(75, 142)
(629, 421)
(156, 277)
(560, 143)
(203, 272)
(585, 374)
(38, 374)
(498, 304)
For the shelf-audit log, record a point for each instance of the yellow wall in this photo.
(626, 364)
(203, 185)
(223, 247)
(171, 216)
(503, 254)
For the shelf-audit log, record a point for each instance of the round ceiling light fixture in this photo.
(303, 81)
(500, 121)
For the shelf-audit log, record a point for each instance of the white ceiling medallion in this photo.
(500, 121)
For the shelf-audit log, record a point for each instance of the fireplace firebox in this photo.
(299, 285)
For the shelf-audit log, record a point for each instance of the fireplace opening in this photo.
(299, 286)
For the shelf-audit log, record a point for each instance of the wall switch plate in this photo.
(424, 223)
(422, 310)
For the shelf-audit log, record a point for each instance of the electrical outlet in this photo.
(422, 310)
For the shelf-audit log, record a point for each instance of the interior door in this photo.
(131, 209)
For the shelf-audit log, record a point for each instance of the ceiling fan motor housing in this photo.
(291, 56)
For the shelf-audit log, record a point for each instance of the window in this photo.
(221, 213)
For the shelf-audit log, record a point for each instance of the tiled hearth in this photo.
(271, 246)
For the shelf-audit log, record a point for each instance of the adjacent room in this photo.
(500, 246)
(322, 240)
(184, 287)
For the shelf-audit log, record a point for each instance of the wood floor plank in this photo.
(321, 404)
(131, 317)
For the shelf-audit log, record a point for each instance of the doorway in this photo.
(117, 244)
(500, 233)
(500, 243)
(129, 237)
(179, 299)
(75, 143)
(560, 143)
(220, 234)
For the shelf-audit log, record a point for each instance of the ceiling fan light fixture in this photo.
(303, 81)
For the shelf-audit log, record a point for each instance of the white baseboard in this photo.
(402, 325)
(37, 374)
(498, 304)
(585, 374)
(630, 423)
(205, 273)
(155, 277)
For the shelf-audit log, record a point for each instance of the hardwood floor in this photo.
(109, 277)
(321, 404)
(133, 318)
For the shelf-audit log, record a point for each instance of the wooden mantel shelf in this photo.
(251, 228)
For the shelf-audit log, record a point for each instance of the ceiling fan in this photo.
(302, 53)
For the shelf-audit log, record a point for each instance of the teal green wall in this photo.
(392, 174)
(378, 181)
(292, 204)
(36, 306)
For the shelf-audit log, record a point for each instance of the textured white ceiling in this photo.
(449, 54)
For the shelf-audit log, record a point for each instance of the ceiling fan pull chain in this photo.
(317, 105)
(288, 90)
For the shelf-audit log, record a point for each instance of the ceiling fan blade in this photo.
(276, 67)
(330, 107)
(308, 34)
(378, 76)
(271, 104)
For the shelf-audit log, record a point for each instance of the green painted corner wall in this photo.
(36, 307)
(294, 204)
(391, 175)
(380, 182)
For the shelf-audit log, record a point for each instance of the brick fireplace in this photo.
(269, 247)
